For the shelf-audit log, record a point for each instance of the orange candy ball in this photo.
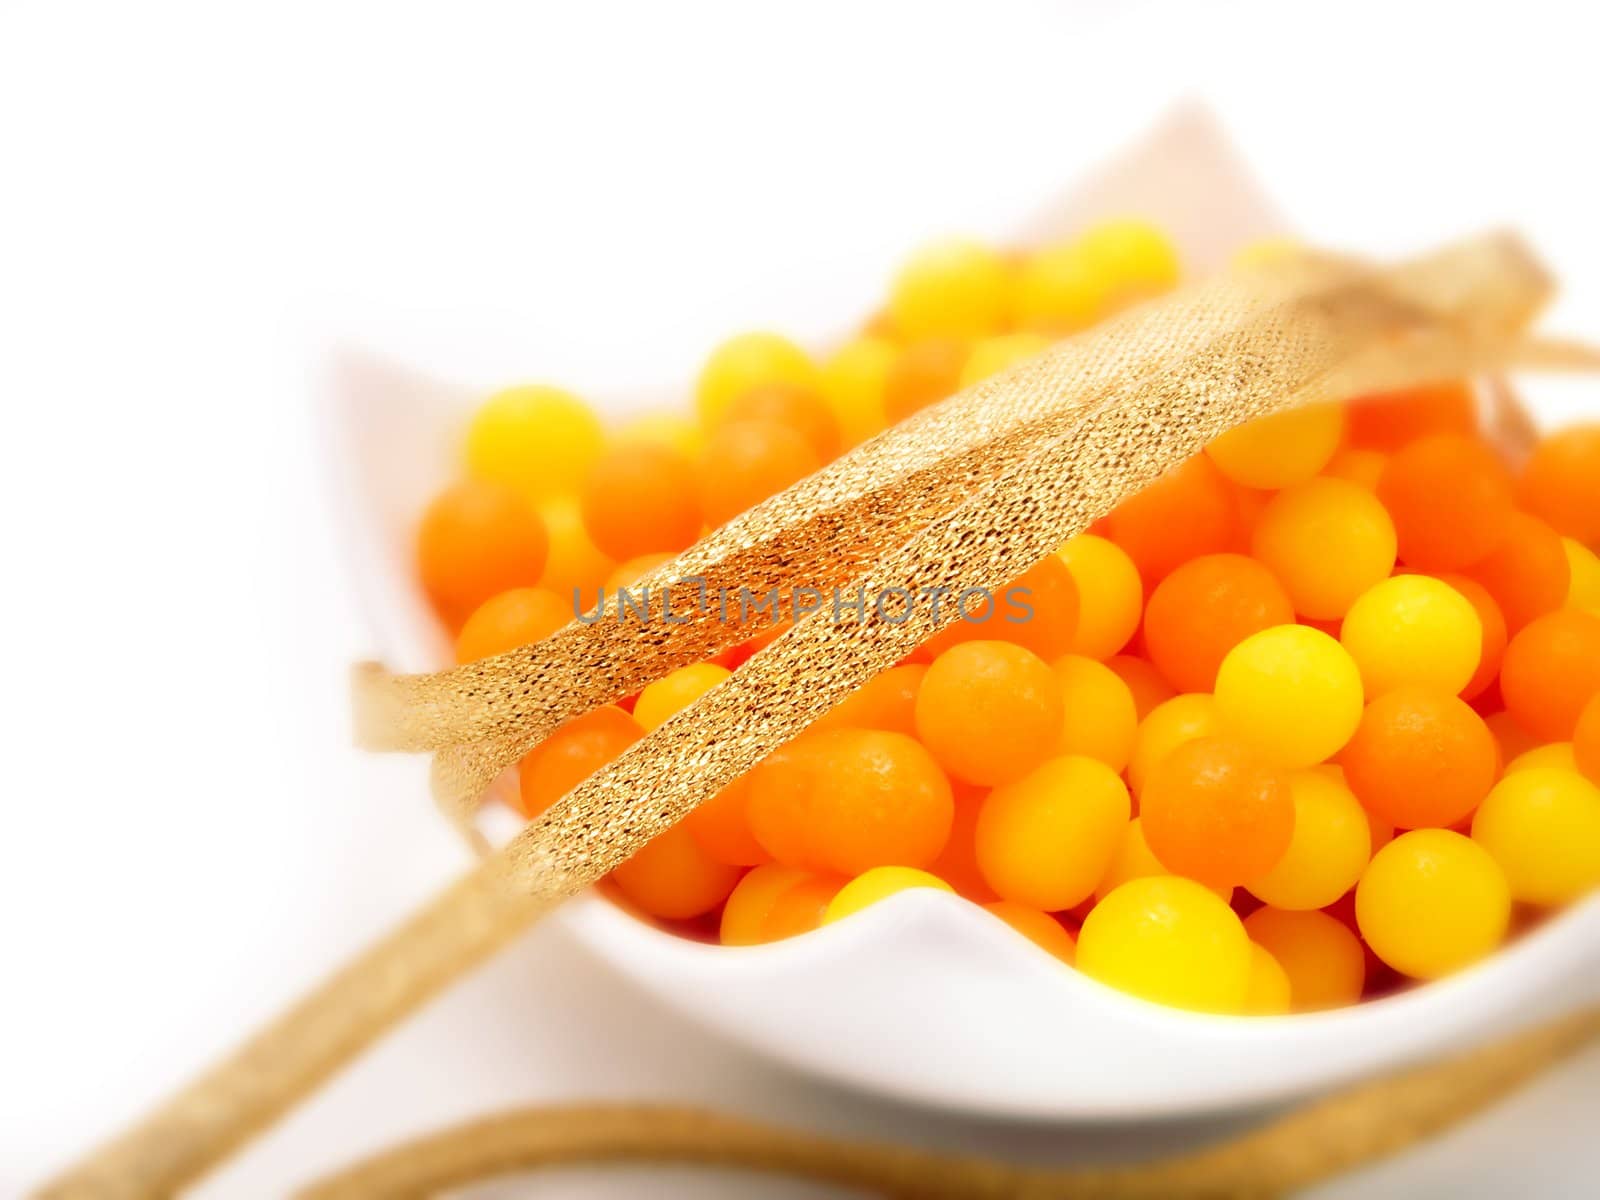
(1149, 687)
(1495, 634)
(744, 916)
(745, 462)
(477, 540)
(1038, 610)
(1204, 609)
(1450, 499)
(793, 406)
(881, 801)
(672, 878)
(1561, 482)
(990, 712)
(511, 619)
(639, 498)
(887, 701)
(1189, 511)
(926, 372)
(1586, 740)
(1389, 420)
(1321, 956)
(1551, 669)
(1528, 573)
(1420, 758)
(1043, 930)
(722, 826)
(571, 754)
(1216, 811)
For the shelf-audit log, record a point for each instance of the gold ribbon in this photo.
(969, 494)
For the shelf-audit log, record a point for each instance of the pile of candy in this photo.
(1317, 713)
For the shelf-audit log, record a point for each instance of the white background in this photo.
(196, 201)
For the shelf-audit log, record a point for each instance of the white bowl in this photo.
(926, 997)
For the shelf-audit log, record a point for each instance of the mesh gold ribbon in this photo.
(969, 494)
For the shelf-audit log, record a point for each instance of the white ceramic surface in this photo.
(925, 997)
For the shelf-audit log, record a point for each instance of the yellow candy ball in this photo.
(1134, 860)
(1584, 591)
(1099, 718)
(540, 440)
(1413, 630)
(1331, 845)
(1046, 839)
(1059, 290)
(663, 429)
(1327, 541)
(852, 384)
(1292, 692)
(1559, 755)
(1169, 940)
(1267, 992)
(1131, 257)
(1285, 448)
(745, 361)
(870, 886)
(1322, 958)
(1169, 725)
(1542, 825)
(1432, 902)
(673, 693)
(574, 561)
(1110, 594)
(955, 287)
(991, 355)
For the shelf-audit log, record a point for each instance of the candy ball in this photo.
(1110, 595)
(1187, 512)
(951, 288)
(1389, 420)
(1134, 859)
(1431, 902)
(1169, 940)
(1203, 610)
(511, 619)
(1450, 499)
(1420, 757)
(1330, 847)
(1285, 448)
(992, 355)
(745, 462)
(853, 383)
(1586, 740)
(1528, 573)
(639, 499)
(749, 904)
(1100, 719)
(575, 751)
(1169, 725)
(1268, 993)
(672, 878)
(1132, 257)
(1321, 957)
(1326, 541)
(1551, 669)
(925, 372)
(990, 712)
(1583, 566)
(1046, 839)
(880, 800)
(1412, 629)
(1059, 290)
(537, 440)
(1039, 928)
(745, 361)
(1216, 811)
(676, 691)
(1542, 825)
(1561, 481)
(793, 406)
(478, 539)
(1291, 692)
(877, 884)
